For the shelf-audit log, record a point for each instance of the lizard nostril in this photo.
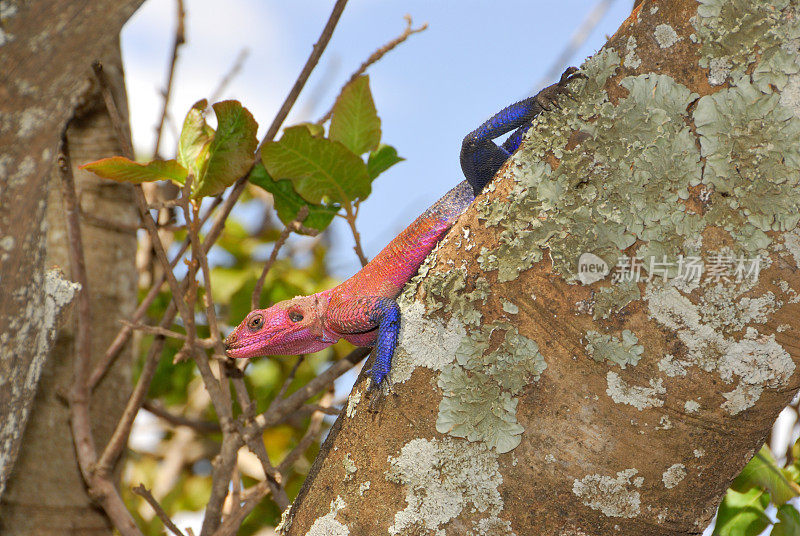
(228, 342)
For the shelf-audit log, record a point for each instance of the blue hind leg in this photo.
(481, 157)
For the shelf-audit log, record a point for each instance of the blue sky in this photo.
(474, 58)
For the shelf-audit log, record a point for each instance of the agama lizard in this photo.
(362, 310)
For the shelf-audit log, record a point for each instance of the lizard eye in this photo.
(256, 322)
(295, 316)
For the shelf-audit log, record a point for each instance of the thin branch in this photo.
(256, 446)
(311, 435)
(232, 523)
(124, 334)
(351, 221)
(158, 330)
(180, 38)
(290, 378)
(316, 53)
(578, 38)
(280, 409)
(223, 464)
(203, 427)
(101, 488)
(119, 438)
(377, 55)
(120, 435)
(327, 410)
(225, 461)
(144, 493)
(295, 225)
(230, 75)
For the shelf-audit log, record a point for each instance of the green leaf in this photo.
(355, 120)
(318, 131)
(319, 168)
(742, 514)
(121, 169)
(381, 159)
(288, 202)
(788, 522)
(230, 153)
(762, 472)
(195, 138)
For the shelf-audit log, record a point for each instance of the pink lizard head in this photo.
(293, 326)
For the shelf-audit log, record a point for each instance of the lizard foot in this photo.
(377, 392)
(548, 97)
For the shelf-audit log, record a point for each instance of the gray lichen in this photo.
(633, 395)
(731, 31)
(632, 61)
(424, 341)
(450, 287)
(642, 143)
(614, 298)
(708, 334)
(665, 35)
(673, 475)
(613, 496)
(479, 389)
(601, 347)
(748, 141)
(441, 478)
(327, 525)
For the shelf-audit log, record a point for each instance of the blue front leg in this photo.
(386, 314)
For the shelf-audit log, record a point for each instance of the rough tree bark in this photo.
(526, 402)
(46, 491)
(46, 51)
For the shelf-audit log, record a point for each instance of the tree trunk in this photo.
(46, 491)
(45, 55)
(536, 393)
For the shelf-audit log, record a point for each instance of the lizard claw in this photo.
(548, 97)
(377, 393)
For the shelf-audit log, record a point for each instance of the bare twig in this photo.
(290, 378)
(158, 330)
(280, 409)
(256, 445)
(327, 410)
(316, 53)
(144, 493)
(377, 55)
(120, 435)
(578, 38)
(119, 439)
(225, 461)
(312, 433)
(350, 216)
(180, 38)
(231, 524)
(101, 488)
(124, 334)
(230, 75)
(203, 427)
(295, 225)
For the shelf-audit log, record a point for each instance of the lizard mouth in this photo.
(238, 348)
